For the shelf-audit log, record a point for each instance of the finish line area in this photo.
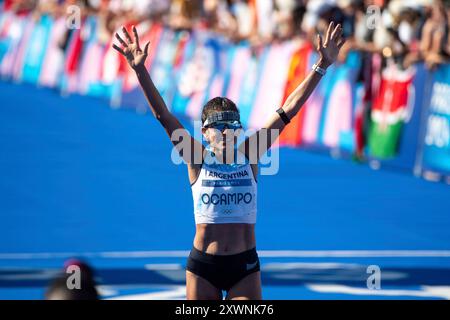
(82, 180)
(308, 275)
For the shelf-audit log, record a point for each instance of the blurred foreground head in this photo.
(76, 283)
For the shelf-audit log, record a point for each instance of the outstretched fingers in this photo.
(337, 32)
(328, 34)
(136, 38)
(340, 42)
(319, 42)
(127, 35)
(146, 48)
(123, 43)
(118, 49)
(337, 36)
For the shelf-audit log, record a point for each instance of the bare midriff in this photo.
(224, 239)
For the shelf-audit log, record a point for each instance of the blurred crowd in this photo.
(405, 30)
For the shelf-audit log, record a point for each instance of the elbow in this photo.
(289, 108)
(163, 117)
(293, 108)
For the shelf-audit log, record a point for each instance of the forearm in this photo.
(301, 94)
(155, 101)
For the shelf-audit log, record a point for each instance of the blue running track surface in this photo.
(79, 179)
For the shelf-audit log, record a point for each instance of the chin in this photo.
(221, 147)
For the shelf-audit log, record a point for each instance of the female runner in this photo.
(224, 257)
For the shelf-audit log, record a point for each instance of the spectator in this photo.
(59, 289)
(435, 36)
(245, 18)
(283, 17)
(184, 14)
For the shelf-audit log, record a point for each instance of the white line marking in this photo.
(287, 266)
(163, 266)
(426, 292)
(261, 253)
(354, 253)
(177, 293)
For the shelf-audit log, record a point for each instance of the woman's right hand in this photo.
(131, 49)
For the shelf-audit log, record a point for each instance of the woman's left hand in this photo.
(329, 49)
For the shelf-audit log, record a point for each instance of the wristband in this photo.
(319, 70)
(283, 116)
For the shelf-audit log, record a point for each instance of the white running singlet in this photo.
(224, 193)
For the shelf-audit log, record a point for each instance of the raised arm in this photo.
(179, 136)
(266, 136)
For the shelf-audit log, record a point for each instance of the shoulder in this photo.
(255, 171)
(195, 168)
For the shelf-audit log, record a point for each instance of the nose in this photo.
(229, 136)
(227, 130)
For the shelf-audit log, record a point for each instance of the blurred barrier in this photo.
(436, 140)
(399, 118)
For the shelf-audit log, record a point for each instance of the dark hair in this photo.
(217, 104)
(58, 290)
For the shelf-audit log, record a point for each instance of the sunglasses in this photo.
(225, 125)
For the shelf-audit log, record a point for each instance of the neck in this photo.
(224, 157)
